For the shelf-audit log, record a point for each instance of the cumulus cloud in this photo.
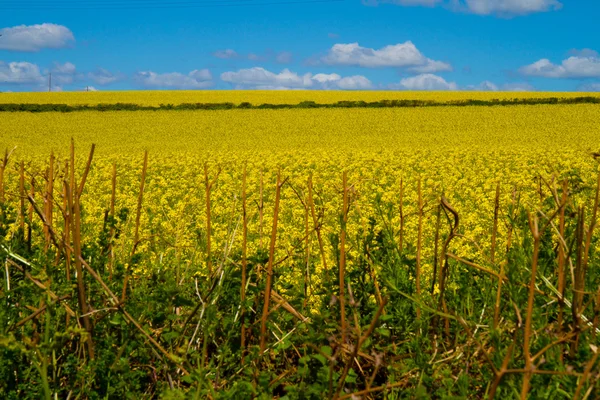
(583, 53)
(485, 86)
(284, 57)
(22, 73)
(590, 87)
(518, 87)
(485, 7)
(102, 76)
(64, 74)
(226, 54)
(424, 82)
(260, 78)
(576, 66)
(197, 79)
(356, 82)
(511, 7)
(34, 38)
(401, 55)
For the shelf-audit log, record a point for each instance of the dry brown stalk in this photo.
(3, 165)
(287, 306)
(419, 244)
(579, 281)
(476, 266)
(586, 373)
(372, 390)
(113, 195)
(30, 213)
(72, 165)
(533, 226)
(34, 314)
(138, 214)
(317, 226)
(208, 187)
(261, 206)
(98, 279)
(40, 285)
(401, 209)
(360, 341)
(66, 224)
(244, 264)
(49, 199)
(75, 223)
(307, 243)
(436, 246)
(495, 225)
(267, 298)
(22, 199)
(498, 303)
(561, 255)
(444, 270)
(342, 271)
(86, 171)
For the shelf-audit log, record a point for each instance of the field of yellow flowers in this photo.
(300, 197)
(256, 97)
(462, 153)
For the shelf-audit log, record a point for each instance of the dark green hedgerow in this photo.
(36, 108)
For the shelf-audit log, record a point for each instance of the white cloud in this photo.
(485, 86)
(356, 82)
(324, 78)
(590, 87)
(518, 87)
(486, 7)
(577, 66)
(197, 79)
(583, 53)
(431, 66)
(398, 55)
(284, 57)
(511, 7)
(102, 76)
(34, 38)
(23, 73)
(64, 74)
(226, 54)
(425, 82)
(260, 78)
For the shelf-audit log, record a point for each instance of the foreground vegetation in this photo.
(396, 253)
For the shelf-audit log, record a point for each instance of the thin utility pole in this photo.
(50, 81)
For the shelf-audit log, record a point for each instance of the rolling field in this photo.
(155, 98)
(304, 253)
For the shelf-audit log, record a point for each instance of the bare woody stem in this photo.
(342, 270)
(244, 264)
(533, 226)
(419, 245)
(136, 235)
(267, 298)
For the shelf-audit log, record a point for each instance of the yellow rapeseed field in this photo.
(461, 152)
(156, 98)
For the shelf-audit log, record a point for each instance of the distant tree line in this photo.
(36, 108)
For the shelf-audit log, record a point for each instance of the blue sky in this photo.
(547, 45)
